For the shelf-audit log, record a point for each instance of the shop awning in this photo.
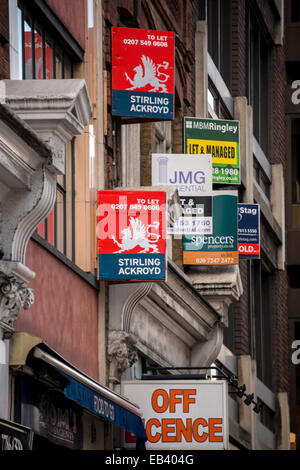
(91, 395)
(97, 398)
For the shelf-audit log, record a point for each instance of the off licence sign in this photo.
(182, 414)
(219, 138)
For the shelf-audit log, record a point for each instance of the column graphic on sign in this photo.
(163, 170)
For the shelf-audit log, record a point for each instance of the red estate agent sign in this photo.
(131, 235)
(143, 73)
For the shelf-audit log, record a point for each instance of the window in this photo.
(261, 179)
(257, 82)
(260, 320)
(42, 57)
(219, 36)
(215, 106)
(295, 11)
(297, 372)
(163, 137)
(229, 331)
(295, 161)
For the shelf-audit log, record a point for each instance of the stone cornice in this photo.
(37, 120)
(24, 132)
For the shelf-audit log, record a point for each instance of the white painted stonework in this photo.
(37, 118)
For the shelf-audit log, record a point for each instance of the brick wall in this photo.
(4, 40)
(239, 51)
(240, 309)
(280, 338)
(157, 15)
(278, 280)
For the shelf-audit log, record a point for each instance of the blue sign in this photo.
(249, 230)
(103, 407)
(142, 104)
(133, 267)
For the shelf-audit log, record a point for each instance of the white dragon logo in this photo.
(136, 234)
(147, 76)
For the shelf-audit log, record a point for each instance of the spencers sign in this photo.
(181, 414)
(131, 233)
(143, 73)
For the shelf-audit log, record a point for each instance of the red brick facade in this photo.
(4, 40)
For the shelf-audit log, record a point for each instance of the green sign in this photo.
(219, 138)
(221, 247)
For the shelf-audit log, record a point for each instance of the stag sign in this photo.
(131, 235)
(143, 73)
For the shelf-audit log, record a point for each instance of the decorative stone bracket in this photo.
(220, 286)
(14, 295)
(120, 353)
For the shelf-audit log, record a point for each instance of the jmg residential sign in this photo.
(192, 176)
(143, 73)
(249, 230)
(189, 174)
(131, 233)
(220, 247)
(219, 138)
(182, 414)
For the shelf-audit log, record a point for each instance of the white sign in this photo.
(182, 414)
(192, 175)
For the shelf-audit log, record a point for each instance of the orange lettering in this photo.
(199, 422)
(187, 400)
(164, 406)
(150, 423)
(182, 430)
(167, 428)
(213, 429)
(174, 400)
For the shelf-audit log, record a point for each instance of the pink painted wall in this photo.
(64, 313)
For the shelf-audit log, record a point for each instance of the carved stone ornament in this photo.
(14, 296)
(121, 353)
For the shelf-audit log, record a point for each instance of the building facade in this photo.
(55, 60)
(292, 202)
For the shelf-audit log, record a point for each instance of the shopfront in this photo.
(63, 407)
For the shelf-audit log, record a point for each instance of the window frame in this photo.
(58, 50)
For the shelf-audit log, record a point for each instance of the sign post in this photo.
(219, 138)
(131, 235)
(143, 73)
(221, 247)
(192, 176)
(182, 414)
(249, 230)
